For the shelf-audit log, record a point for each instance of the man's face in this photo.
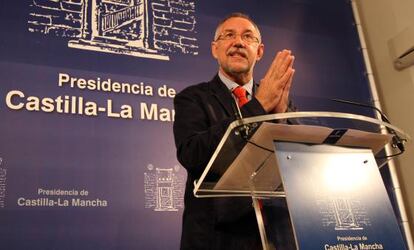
(237, 57)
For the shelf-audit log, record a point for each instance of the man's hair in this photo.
(233, 15)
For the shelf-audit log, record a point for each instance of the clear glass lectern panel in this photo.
(226, 173)
(244, 163)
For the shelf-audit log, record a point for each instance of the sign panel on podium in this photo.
(336, 198)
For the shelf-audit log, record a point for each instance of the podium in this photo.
(328, 177)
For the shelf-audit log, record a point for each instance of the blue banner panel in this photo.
(336, 198)
(87, 157)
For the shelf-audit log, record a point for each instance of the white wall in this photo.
(381, 21)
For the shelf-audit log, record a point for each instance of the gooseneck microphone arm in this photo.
(397, 141)
(243, 129)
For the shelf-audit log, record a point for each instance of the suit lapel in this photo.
(222, 94)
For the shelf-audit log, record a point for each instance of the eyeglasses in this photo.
(246, 37)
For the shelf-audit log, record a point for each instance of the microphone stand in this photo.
(242, 129)
(397, 141)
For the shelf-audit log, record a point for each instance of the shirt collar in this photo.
(232, 85)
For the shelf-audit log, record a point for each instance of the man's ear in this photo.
(214, 49)
(260, 52)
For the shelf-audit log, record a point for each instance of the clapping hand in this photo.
(273, 91)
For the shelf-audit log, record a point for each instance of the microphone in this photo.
(243, 129)
(397, 141)
(236, 109)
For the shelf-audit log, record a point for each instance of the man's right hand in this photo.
(273, 91)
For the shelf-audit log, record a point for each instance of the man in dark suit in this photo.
(203, 113)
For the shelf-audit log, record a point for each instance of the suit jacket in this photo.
(202, 115)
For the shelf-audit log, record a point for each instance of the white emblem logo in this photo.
(129, 27)
(164, 188)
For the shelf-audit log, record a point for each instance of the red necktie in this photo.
(241, 94)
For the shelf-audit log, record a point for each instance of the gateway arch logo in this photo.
(164, 188)
(155, 29)
(343, 213)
